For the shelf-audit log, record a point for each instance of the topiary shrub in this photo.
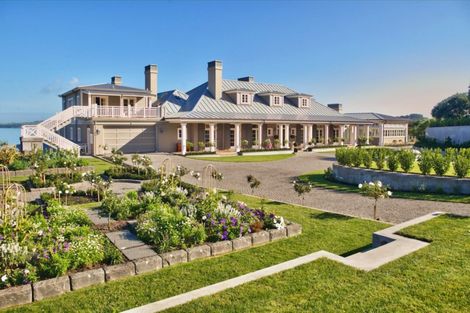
(440, 163)
(392, 161)
(356, 157)
(407, 160)
(425, 162)
(367, 158)
(379, 156)
(461, 166)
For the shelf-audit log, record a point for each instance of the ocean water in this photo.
(10, 135)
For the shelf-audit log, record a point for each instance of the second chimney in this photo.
(336, 106)
(116, 80)
(151, 78)
(214, 79)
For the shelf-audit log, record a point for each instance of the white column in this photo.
(184, 136)
(260, 136)
(212, 136)
(381, 134)
(352, 135)
(281, 135)
(237, 137)
(305, 126)
(287, 136)
(367, 135)
(310, 132)
(406, 133)
(341, 134)
(327, 134)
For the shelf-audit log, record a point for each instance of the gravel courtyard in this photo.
(276, 178)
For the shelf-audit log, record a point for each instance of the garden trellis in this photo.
(12, 199)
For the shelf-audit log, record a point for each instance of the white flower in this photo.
(379, 183)
(4, 278)
(67, 191)
(60, 192)
(371, 184)
(41, 232)
(389, 193)
(204, 218)
(360, 186)
(26, 271)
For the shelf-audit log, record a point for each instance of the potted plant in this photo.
(201, 146)
(244, 144)
(267, 144)
(189, 145)
(277, 143)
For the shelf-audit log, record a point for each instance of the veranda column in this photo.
(353, 135)
(212, 136)
(341, 134)
(327, 134)
(305, 135)
(281, 135)
(381, 134)
(406, 133)
(287, 136)
(260, 135)
(367, 134)
(184, 136)
(237, 137)
(310, 133)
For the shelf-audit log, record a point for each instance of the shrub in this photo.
(344, 156)
(356, 157)
(406, 159)
(367, 158)
(379, 156)
(19, 164)
(440, 163)
(425, 162)
(253, 182)
(122, 208)
(461, 166)
(392, 161)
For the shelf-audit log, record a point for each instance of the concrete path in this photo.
(398, 247)
(276, 178)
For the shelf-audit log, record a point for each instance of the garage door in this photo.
(130, 139)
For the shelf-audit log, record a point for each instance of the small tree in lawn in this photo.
(301, 188)
(118, 159)
(375, 190)
(253, 182)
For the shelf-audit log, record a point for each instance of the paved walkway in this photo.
(367, 260)
(276, 178)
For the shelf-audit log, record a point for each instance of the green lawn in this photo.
(245, 158)
(434, 279)
(100, 165)
(318, 180)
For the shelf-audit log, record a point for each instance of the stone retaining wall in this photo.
(402, 181)
(56, 286)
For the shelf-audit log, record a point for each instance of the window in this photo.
(244, 98)
(128, 102)
(293, 131)
(232, 137)
(319, 136)
(304, 102)
(179, 134)
(79, 134)
(335, 133)
(277, 100)
(254, 135)
(100, 101)
(270, 132)
(71, 133)
(77, 99)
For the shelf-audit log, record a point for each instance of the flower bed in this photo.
(173, 215)
(49, 242)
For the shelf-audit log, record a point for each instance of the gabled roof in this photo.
(200, 104)
(109, 88)
(371, 116)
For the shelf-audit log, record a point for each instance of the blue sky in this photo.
(393, 57)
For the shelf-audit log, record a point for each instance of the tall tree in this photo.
(454, 107)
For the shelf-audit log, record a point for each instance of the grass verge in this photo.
(245, 158)
(318, 180)
(99, 164)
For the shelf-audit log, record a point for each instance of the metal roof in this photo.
(109, 88)
(201, 105)
(371, 116)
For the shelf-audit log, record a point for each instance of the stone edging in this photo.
(402, 181)
(56, 170)
(56, 286)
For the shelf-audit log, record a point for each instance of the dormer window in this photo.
(304, 103)
(272, 98)
(245, 98)
(277, 100)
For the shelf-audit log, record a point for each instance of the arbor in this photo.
(454, 107)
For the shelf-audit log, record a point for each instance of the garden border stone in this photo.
(242, 242)
(276, 234)
(51, 287)
(260, 237)
(87, 278)
(174, 257)
(221, 247)
(16, 295)
(119, 271)
(198, 252)
(293, 229)
(148, 264)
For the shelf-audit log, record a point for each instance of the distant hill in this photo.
(18, 125)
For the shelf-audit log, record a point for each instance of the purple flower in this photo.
(1, 237)
(66, 246)
(234, 221)
(225, 235)
(222, 221)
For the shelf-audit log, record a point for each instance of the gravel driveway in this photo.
(276, 178)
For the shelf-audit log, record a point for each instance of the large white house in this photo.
(220, 113)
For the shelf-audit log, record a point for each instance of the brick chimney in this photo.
(151, 78)
(116, 80)
(214, 78)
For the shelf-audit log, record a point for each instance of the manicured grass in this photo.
(318, 180)
(19, 179)
(433, 279)
(336, 233)
(90, 205)
(100, 165)
(245, 158)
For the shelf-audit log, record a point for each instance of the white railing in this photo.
(50, 137)
(124, 112)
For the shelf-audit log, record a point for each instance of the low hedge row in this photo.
(428, 160)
